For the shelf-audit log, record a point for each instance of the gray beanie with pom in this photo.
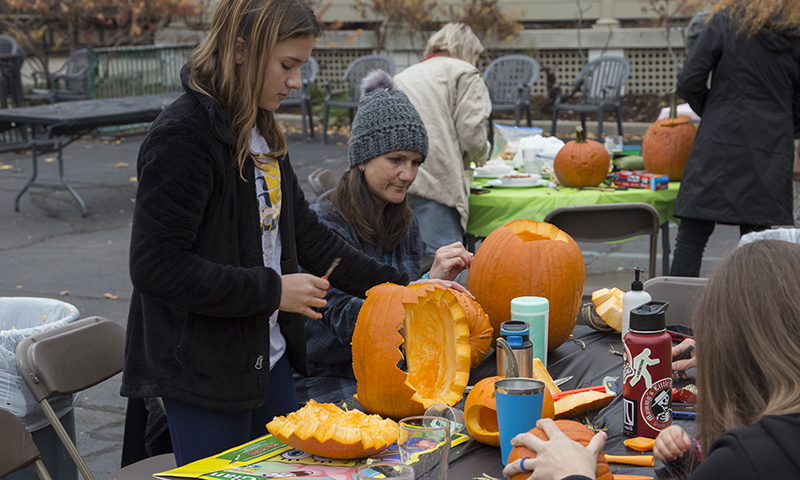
(386, 121)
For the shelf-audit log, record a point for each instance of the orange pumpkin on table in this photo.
(668, 142)
(581, 162)
(527, 258)
(574, 430)
(434, 345)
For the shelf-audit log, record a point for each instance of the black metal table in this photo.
(63, 123)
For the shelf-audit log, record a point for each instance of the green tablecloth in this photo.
(488, 211)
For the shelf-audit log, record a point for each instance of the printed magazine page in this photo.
(267, 457)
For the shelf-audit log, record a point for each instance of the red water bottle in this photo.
(647, 370)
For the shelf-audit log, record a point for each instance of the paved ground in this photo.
(48, 250)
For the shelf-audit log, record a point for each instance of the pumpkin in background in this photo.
(328, 431)
(574, 430)
(527, 258)
(581, 162)
(435, 349)
(668, 142)
(480, 411)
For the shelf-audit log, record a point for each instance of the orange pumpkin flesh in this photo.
(326, 430)
(574, 430)
(667, 144)
(581, 162)
(527, 258)
(435, 342)
(577, 403)
(480, 328)
(480, 411)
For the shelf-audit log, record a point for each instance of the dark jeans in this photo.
(691, 241)
(200, 432)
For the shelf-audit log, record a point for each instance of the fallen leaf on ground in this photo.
(64, 292)
(111, 296)
(50, 159)
(6, 167)
(122, 165)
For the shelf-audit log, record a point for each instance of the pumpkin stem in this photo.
(673, 104)
(512, 369)
(580, 136)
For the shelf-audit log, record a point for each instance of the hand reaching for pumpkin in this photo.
(301, 291)
(671, 444)
(558, 457)
(449, 261)
(680, 366)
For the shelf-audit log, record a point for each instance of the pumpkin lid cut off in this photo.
(402, 374)
(574, 430)
(328, 431)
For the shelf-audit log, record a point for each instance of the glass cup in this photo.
(424, 443)
(398, 471)
(453, 415)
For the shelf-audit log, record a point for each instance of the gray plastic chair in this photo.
(71, 358)
(321, 180)
(601, 82)
(609, 222)
(18, 448)
(70, 82)
(682, 293)
(349, 84)
(11, 78)
(302, 97)
(509, 80)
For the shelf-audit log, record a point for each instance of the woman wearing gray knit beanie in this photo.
(369, 209)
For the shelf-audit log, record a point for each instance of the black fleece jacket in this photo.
(198, 326)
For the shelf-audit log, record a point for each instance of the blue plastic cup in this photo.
(519, 407)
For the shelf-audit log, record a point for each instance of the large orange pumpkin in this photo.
(581, 162)
(574, 430)
(480, 411)
(435, 348)
(667, 144)
(326, 430)
(527, 258)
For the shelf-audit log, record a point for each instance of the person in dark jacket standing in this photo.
(219, 229)
(748, 376)
(740, 169)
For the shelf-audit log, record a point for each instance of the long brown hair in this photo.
(214, 71)
(748, 339)
(751, 16)
(381, 229)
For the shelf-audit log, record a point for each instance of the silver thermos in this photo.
(516, 335)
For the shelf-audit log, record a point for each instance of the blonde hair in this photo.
(214, 71)
(748, 339)
(458, 40)
(751, 16)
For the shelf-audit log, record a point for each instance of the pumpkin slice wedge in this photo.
(326, 430)
(577, 403)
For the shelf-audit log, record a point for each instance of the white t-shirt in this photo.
(268, 192)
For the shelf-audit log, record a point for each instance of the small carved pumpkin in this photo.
(581, 162)
(435, 352)
(574, 430)
(527, 258)
(480, 411)
(328, 431)
(667, 144)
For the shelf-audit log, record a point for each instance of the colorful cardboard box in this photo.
(637, 179)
